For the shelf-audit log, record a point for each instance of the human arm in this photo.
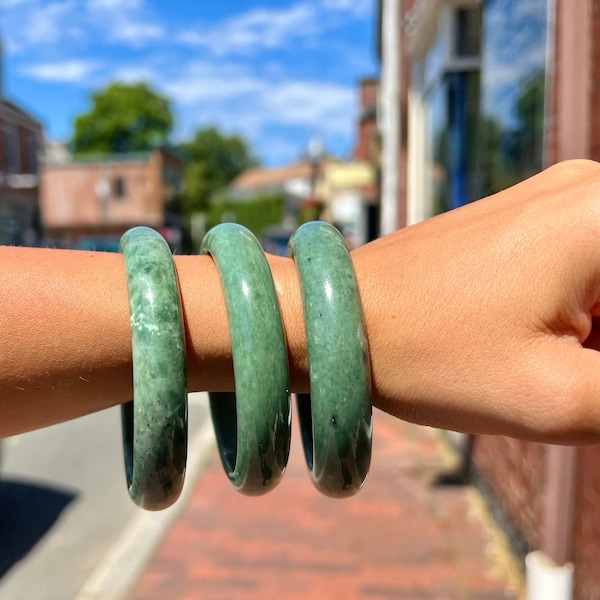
(476, 319)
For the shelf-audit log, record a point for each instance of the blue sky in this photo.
(274, 71)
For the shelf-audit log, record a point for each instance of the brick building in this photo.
(20, 138)
(367, 150)
(91, 203)
(486, 94)
(367, 133)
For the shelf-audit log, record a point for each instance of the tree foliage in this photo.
(213, 161)
(123, 118)
(256, 214)
(134, 118)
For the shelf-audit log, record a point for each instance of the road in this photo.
(64, 503)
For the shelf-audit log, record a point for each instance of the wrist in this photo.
(209, 359)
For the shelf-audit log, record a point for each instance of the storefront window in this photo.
(467, 32)
(434, 61)
(436, 171)
(11, 148)
(32, 153)
(513, 89)
(451, 103)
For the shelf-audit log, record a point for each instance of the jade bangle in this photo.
(335, 418)
(252, 426)
(155, 423)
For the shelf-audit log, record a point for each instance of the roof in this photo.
(114, 158)
(264, 178)
(4, 101)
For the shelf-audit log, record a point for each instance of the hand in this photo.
(483, 319)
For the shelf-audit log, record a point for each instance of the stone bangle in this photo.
(252, 426)
(155, 423)
(335, 418)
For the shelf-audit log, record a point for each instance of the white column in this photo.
(389, 107)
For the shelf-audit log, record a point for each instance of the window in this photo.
(11, 148)
(119, 190)
(467, 32)
(513, 88)
(32, 154)
(450, 101)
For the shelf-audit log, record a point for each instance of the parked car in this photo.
(99, 244)
(275, 240)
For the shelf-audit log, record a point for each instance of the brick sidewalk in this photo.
(400, 538)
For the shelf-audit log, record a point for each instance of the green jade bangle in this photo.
(155, 424)
(252, 425)
(336, 417)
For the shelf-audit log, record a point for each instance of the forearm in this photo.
(66, 338)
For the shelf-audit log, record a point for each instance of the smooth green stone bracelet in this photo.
(252, 426)
(335, 418)
(155, 424)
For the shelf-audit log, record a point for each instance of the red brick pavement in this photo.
(400, 538)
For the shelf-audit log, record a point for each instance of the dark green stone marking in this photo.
(155, 424)
(335, 418)
(253, 425)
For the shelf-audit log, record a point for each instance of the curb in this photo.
(120, 570)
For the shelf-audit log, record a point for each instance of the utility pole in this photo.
(389, 113)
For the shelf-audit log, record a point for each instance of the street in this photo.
(64, 503)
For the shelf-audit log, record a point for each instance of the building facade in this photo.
(367, 151)
(20, 139)
(487, 94)
(91, 203)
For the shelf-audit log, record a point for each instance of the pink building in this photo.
(91, 203)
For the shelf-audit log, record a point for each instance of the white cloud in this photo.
(312, 104)
(57, 22)
(70, 71)
(280, 100)
(135, 34)
(125, 21)
(357, 8)
(135, 74)
(111, 5)
(41, 24)
(203, 82)
(13, 3)
(261, 108)
(254, 30)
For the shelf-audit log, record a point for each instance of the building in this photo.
(367, 151)
(294, 181)
(91, 203)
(20, 138)
(322, 187)
(476, 96)
(300, 184)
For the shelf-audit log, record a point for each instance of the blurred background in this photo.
(370, 114)
(122, 113)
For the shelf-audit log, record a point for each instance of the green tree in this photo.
(257, 214)
(213, 161)
(123, 118)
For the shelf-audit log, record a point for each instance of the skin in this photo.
(482, 320)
